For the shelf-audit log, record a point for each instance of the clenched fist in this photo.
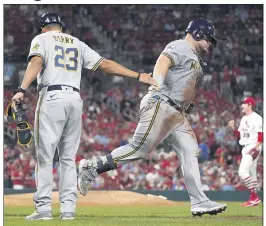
(18, 98)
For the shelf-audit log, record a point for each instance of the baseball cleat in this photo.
(250, 203)
(208, 207)
(44, 215)
(87, 173)
(67, 216)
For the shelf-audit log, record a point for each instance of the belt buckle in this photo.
(67, 88)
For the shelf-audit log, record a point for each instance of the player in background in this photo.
(251, 136)
(56, 60)
(163, 116)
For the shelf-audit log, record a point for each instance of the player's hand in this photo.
(146, 78)
(18, 98)
(231, 124)
(254, 152)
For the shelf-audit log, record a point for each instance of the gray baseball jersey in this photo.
(159, 120)
(64, 56)
(58, 113)
(184, 73)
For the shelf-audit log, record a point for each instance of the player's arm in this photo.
(258, 129)
(35, 61)
(92, 61)
(33, 68)
(260, 139)
(254, 152)
(111, 67)
(161, 68)
(169, 57)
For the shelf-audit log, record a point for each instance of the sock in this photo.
(252, 187)
(105, 164)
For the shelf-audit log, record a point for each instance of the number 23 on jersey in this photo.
(66, 58)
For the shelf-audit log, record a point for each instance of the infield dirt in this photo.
(97, 198)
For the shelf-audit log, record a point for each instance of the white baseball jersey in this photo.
(64, 56)
(249, 127)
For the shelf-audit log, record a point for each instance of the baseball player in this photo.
(56, 59)
(163, 116)
(251, 136)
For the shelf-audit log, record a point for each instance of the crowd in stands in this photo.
(110, 116)
(143, 31)
(104, 129)
(140, 32)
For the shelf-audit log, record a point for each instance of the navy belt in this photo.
(59, 87)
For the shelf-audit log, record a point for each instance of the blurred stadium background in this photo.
(134, 35)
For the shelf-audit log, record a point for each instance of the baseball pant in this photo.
(159, 121)
(248, 167)
(57, 124)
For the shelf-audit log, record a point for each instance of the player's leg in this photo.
(253, 173)
(184, 142)
(157, 121)
(244, 173)
(247, 171)
(49, 124)
(68, 147)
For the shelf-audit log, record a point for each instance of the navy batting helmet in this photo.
(201, 29)
(49, 18)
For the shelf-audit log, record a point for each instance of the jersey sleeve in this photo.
(37, 48)
(91, 59)
(171, 51)
(258, 124)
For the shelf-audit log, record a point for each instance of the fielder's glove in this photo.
(254, 152)
(16, 113)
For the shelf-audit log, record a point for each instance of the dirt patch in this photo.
(97, 198)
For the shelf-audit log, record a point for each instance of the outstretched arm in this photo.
(112, 67)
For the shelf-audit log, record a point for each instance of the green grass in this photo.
(141, 216)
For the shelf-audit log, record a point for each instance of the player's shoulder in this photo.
(43, 36)
(180, 45)
(39, 36)
(69, 36)
(76, 40)
(47, 35)
(255, 115)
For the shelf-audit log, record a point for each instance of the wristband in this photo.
(21, 90)
(138, 77)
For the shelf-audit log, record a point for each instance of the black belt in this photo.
(176, 106)
(59, 87)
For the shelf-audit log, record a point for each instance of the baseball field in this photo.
(129, 209)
